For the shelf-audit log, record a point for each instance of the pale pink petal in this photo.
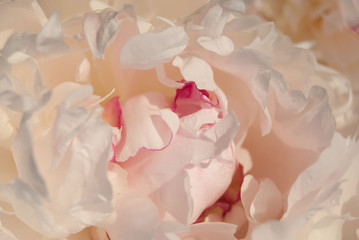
(194, 122)
(99, 29)
(174, 197)
(196, 70)
(210, 231)
(208, 184)
(250, 188)
(147, 50)
(148, 127)
(221, 45)
(244, 66)
(148, 170)
(138, 219)
(295, 112)
(268, 202)
(349, 10)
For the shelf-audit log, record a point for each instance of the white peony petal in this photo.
(288, 229)
(28, 206)
(99, 29)
(196, 70)
(323, 174)
(22, 149)
(9, 98)
(145, 51)
(213, 22)
(221, 45)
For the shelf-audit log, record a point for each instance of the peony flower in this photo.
(172, 120)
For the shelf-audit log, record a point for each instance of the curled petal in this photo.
(148, 127)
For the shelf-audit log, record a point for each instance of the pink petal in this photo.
(112, 112)
(208, 184)
(190, 99)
